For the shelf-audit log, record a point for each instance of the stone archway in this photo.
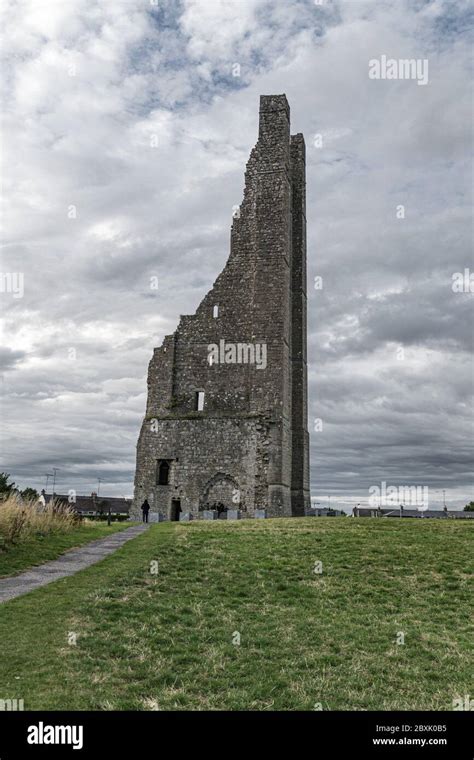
(223, 490)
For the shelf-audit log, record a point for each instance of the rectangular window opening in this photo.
(163, 472)
(215, 311)
(200, 401)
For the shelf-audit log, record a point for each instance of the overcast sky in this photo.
(126, 115)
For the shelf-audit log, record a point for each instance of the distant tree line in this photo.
(9, 488)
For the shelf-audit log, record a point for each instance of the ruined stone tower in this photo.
(226, 417)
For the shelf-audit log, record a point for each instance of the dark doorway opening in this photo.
(221, 510)
(175, 509)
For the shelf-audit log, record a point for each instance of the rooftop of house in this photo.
(406, 512)
(93, 503)
(325, 511)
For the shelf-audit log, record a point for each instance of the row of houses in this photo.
(438, 514)
(92, 506)
(325, 512)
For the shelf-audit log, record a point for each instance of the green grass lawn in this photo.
(38, 549)
(166, 641)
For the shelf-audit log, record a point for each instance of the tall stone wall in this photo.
(248, 446)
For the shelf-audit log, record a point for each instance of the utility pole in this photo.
(55, 469)
(443, 491)
(98, 487)
(47, 475)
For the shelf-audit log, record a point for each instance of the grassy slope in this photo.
(39, 549)
(165, 641)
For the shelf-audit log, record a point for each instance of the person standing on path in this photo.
(145, 510)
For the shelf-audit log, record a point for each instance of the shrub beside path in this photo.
(67, 564)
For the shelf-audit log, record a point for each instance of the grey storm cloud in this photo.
(126, 133)
(10, 358)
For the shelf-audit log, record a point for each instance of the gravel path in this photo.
(67, 564)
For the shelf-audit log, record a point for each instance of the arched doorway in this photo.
(221, 493)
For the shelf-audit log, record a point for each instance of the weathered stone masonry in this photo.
(248, 448)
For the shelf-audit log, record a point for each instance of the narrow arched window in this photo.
(163, 472)
(215, 311)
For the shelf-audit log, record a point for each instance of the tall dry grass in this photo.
(20, 521)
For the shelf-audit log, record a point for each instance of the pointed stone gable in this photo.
(227, 392)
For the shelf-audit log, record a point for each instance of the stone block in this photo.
(155, 517)
(185, 516)
(209, 514)
(260, 514)
(233, 514)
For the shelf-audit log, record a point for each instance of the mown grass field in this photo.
(37, 549)
(307, 639)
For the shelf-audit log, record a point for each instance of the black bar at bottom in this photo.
(134, 734)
